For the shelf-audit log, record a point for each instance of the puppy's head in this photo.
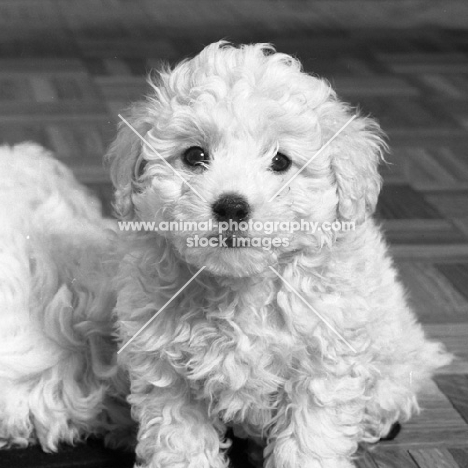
(226, 135)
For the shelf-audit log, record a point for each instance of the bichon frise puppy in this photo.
(307, 341)
(58, 375)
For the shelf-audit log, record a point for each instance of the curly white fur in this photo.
(58, 376)
(237, 347)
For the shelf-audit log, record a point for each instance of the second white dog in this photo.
(59, 381)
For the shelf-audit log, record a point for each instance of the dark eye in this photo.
(140, 167)
(280, 163)
(196, 156)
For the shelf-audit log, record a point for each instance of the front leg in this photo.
(175, 431)
(318, 425)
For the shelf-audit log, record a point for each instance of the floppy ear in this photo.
(125, 158)
(358, 151)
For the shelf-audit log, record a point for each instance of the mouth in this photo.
(231, 240)
(229, 253)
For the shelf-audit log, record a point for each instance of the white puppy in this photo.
(314, 355)
(58, 376)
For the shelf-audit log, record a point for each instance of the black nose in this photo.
(231, 206)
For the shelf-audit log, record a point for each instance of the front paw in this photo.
(178, 460)
(287, 454)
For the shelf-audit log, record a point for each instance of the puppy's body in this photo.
(311, 345)
(247, 352)
(58, 377)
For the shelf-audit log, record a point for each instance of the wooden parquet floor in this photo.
(67, 67)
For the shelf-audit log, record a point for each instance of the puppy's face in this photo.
(227, 135)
